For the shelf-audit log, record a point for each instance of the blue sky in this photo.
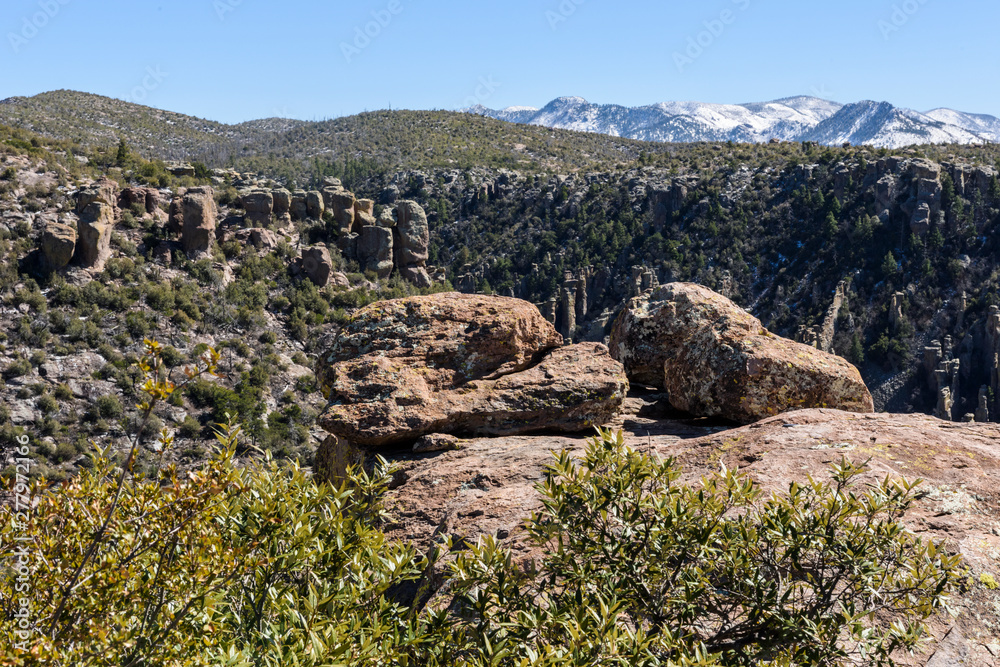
(235, 60)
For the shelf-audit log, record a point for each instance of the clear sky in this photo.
(235, 60)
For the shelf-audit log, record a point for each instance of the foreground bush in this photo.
(234, 565)
(258, 565)
(639, 569)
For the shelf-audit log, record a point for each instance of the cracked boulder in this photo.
(717, 360)
(463, 365)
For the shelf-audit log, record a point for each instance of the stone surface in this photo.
(282, 201)
(130, 197)
(102, 191)
(416, 275)
(259, 205)
(263, 239)
(199, 218)
(374, 250)
(411, 235)
(298, 208)
(437, 442)
(317, 265)
(58, 244)
(314, 205)
(93, 245)
(489, 486)
(378, 401)
(78, 366)
(341, 203)
(450, 363)
(717, 360)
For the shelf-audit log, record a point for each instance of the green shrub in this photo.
(65, 451)
(172, 357)
(824, 575)
(17, 368)
(47, 404)
(109, 407)
(635, 569)
(272, 577)
(189, 428)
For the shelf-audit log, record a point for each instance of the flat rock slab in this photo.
(488, 488)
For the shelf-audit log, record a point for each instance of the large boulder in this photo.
(102, 191)
(364, 213)
(299, 210)
(263, 239)
(341, 204)
(417, 275)
(282, 200)
(314, 205)
(462, 364)
(93, 246)
(152, 201)
(411, 235)
(58, 244)
(259, 204)
(317, 265)
(130, 197)
(717, 360)
(199, 218)
(374, 250)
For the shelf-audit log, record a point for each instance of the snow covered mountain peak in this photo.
(800, 118)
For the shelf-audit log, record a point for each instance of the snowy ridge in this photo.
(790, 119)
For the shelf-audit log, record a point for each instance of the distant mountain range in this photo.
(792, 119)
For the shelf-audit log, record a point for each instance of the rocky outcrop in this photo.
(317, 265)
(667, 200)
(374, 250)
(58, 244)
(411, 240)
(341, 204)
(462, 364)
(487, 486)
(102, 191)
(197, 212)
(263, 239)
(298, 208)
(364, 213)
(259, 205)
(282, 201)
(412, 235)
(146, 199)
(314, 205)
(93, 245)
(717, 360)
